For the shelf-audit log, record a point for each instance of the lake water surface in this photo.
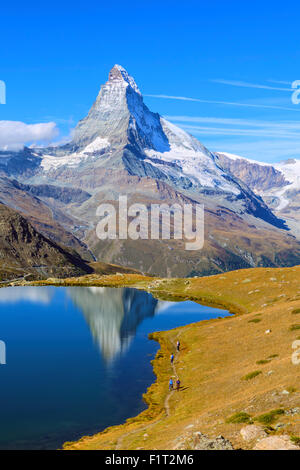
(78, 359)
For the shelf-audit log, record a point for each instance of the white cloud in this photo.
(249, 85)
(266, 132)
(238, 127)
(282, 125)
(14, 134)
(30, 294)
(281, 82)
(270, 151)
(264, 140)
(227, 103)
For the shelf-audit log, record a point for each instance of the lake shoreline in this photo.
(217, 354)
(154, 410)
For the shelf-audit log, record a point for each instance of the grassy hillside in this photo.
(233, 369)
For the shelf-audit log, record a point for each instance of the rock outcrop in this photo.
(276, 443)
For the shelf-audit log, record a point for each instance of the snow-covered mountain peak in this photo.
(120, 131)
(119, 74)
(120, 116)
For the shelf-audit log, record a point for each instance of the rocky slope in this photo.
(258, 176)
(25, 251)
(278, 184)
(48, 217)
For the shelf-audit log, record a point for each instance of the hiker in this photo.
(177, 384)
(178, 345)
(171, 384)
(172, 358)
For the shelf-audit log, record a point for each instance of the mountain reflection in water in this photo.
(113, 315)
(58, 384)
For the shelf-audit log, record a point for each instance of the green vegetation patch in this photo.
(291, 389)
(296, 311)
(263, 361)
(295, 327)
(272, 356)
(254, 320)
(251, 375)
(270, 417)
(295, 440)
(240, 417)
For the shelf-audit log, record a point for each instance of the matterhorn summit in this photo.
(119, 115)
(119, 74)
(121, 132)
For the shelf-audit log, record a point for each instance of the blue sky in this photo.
(236, 60)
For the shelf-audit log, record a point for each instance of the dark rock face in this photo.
(23, 163)
(61, 193)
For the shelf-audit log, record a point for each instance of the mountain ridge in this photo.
(22, 248)
(278, 184)
(121, 147)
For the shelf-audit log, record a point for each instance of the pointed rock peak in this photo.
(118, 73)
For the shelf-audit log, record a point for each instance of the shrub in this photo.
(263, 361)
(269, 418)
(295, 327)
(291, 389)
(296, 311)
(254, 320)
(240, 417)
(272, 356)
(295, 440)
(251, 375)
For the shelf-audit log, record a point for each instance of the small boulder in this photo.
(276, 443)
(189, 426)
(252, 433)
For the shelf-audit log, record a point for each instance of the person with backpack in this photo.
(178, 345)
(171, 384)
(177, 384)
(172, 358)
